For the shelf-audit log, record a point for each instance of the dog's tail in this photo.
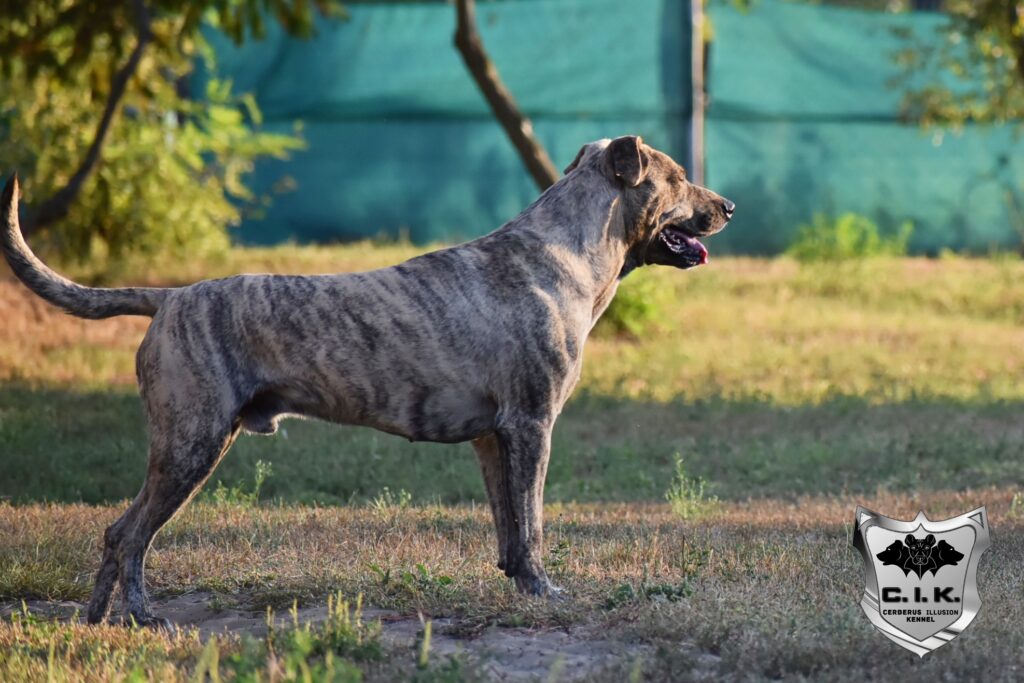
(85, 302)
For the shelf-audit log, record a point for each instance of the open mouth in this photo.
(686, 249)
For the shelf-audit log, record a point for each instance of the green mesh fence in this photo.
(803, 119)
(401, 141)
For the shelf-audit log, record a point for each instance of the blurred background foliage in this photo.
(170, 173)
(972, 71)
(164, 184)
(846, 237)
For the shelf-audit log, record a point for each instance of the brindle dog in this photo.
(481, 342)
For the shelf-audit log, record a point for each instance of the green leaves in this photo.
(173, 171)
(169, 180)
(970, 70)
(65, 35)
(849, 236)
(638, 306)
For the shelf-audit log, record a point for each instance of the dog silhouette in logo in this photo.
(920, 556)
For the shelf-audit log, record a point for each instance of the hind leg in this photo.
(99, 603)
(180, 460)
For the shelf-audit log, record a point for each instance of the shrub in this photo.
(846, 237)
(636, 308)
(173, 170)
(168, 184)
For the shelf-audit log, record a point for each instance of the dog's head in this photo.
(920, 550)
(664, 213)
(895, 553)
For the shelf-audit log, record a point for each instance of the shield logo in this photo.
(921, 576)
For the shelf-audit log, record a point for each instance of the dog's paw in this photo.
(149, 621)
(160, 624)
(541, 587)
(557, 593)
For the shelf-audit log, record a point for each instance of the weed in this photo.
(240, 494)
(423, 579)
(626, 593)
(388, 500)
(217, 603)
(343, 633)
(383, 574)
(424, 659)
(450, 670)
(687, 496)
(331, 651)
(1017, 506)
(416, 581)
(620, 595)
(558, 556)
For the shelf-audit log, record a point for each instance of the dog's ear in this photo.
(910, 539)
(575, 162)
(627, 160)
(929, 540)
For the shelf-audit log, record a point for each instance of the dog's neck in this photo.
(586, 232)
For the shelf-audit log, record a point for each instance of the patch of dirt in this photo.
(504, 654)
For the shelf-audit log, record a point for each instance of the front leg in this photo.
(525, 448)
(493, 469)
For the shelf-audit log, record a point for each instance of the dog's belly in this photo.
(445, 415)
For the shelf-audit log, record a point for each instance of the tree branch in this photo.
(57, 206)
(1014, 10)
(516, 125)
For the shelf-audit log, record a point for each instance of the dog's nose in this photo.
(729, 207)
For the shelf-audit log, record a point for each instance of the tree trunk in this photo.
(516, 125)
(57, 206)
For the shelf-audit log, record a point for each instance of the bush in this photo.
(164, 186)
(172, 173)
(847, 237)
(636, 308)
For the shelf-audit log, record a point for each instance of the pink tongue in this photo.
(694, 243)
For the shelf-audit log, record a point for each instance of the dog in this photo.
(480, 342)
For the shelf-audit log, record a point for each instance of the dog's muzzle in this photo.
(688, 249)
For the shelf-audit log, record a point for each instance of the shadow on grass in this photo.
(60, 445)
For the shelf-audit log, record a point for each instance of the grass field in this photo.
(795, 392)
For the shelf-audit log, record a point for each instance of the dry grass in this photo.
(798, 392)
(39, 344)
(50, 551)
(770, 588)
